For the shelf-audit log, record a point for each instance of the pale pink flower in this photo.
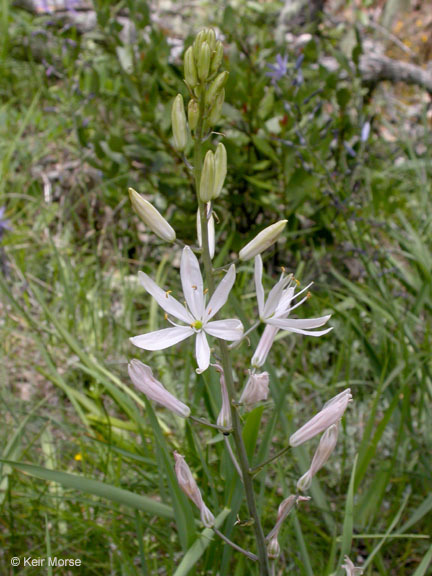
(275, 311)
(285, 508)
(190, 488)
(323, 452)
(256, 389)
(350, 569)
(196, 316)
(330, 414)
(224, 418)
(143, 379)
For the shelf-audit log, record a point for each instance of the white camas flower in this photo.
(196, 315)
(330, 414)
(143, 379)
(350, 569)
(190, 488)
(325, 448)
(275, 311)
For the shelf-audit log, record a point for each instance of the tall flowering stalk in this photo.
(204, 300)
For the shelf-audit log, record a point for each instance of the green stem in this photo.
(259, 467)
(226, 361)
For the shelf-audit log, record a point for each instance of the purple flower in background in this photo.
(365, 131)
(279, 69)
(4, 222)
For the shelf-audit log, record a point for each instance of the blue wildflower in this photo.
(4, 222)
(279, 69)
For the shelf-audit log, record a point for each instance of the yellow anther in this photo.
(297, 282)
(283, 269)
(166, 316)
(309, 295)
(205, 291)
(167, 293)
(209, 311)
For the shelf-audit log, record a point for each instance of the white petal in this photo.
(161, 339)
(307, 323)
(221, 293)
(275, 296)
(231, 329)
(202, 350)
(192, 282)
(164, 299)
(259, 285)
(309, 332)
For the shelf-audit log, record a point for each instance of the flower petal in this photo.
(231, 329)
(307, 323)
(202, 351)
(161, 339)
(221, 293)
(274, 296)
(165, 300)
(192, 283)
(259, 285)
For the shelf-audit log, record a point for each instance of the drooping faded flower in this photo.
(330, 414)
(256, 389)
(284, 510)
(350, 569)
(224, 418)
(196, 315)
(275, 311)
(189, 486)
(325, 448)
(143, 379)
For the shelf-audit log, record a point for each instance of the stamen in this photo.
(309, 295)
(205, 291)
(166, 316)
(167, 293)
(194, 287)
(297, 282)
(209, 311)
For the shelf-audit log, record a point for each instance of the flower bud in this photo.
(217, 58)
(273, 548)
(350, 569)
(204, 62)
(151, 217)
(193, 114)
(143, 379)
(256, 389)
(200, 38)
(178, 119)
(331, 413)
(216, 109)
(210, 37)
(215, 88)
(190, 71)
(220, 164)
(224, 418)
(211, 231)
(323, 452)
(189, 486)
(207, 178)
(262, 241)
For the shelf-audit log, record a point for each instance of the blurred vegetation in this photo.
(84, 116)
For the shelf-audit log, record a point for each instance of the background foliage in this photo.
(82, 117)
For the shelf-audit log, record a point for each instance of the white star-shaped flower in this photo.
(275, 311)
(196, 316)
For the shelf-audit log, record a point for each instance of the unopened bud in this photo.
(151, 217)
(217, 57)
(224, 418)
(323, 452)
(220, 161)
(178, 119)
(273, 548)
(200, 38)
(190, 68)
(262, 241)
(210, 229)
(143, 379)
(210, 37)
(216, 109)
(256, 389)
(207, 178)
(203, 62)
(215, 87)
(193, 114)
(331, 413)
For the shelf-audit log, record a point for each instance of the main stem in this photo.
(226, 364)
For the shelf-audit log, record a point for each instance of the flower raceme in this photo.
(275, 311)
(143, 379)
(330, 414)
(196, 316)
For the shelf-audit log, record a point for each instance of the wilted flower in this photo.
(190, 488)
(330, 414)
(151, 217)
(275, 311)
(196, 316)
(143, 379)
(273, 548)
(285, 508)
(323, 452)
(350, 569)
(256, 389)
(262, 241)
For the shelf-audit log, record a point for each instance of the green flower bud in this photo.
(204, 62)
(220, 163)
(207, 178)
(193, 114)
(215, 87)
(201, 37)
(210, 37)
(262, 241)
(217, 58)
(216, 110)
(178, 120)
(190, 68)
(151, 217)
